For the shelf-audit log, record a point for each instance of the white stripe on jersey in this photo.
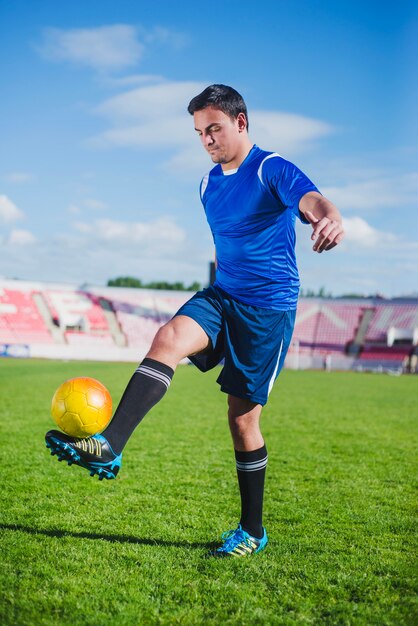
(260, 169)
(203, 185)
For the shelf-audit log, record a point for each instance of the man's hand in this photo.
(325, 220)
(327, 233)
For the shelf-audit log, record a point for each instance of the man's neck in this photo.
(240, 157)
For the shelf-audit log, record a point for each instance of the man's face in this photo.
(220, 135)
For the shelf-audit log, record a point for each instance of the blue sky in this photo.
(100, 165)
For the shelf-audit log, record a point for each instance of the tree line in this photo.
(136, 283)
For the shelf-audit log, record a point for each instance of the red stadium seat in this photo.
(20, 320)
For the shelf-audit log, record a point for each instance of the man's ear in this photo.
(242, 122)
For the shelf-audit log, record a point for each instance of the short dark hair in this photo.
(221, 97)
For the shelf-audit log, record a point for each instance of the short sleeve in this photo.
(286, 181)
(203, 185)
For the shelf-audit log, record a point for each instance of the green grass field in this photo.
(339, 507)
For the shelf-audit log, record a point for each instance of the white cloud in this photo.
(18, 178)
(166, 36)
(169, 131)
(161, 230)
(81, 258)
(95, 205)
(114, 47)
(21, 238)
(131, 80)
(9, 212)
(376, 193)
(74, 209)
(192, 162)
(89, 203)
(155, 233)
(82, 227)
(104, 48)
(164, 100)
(155, 116)
(287, 131)
(358, 231)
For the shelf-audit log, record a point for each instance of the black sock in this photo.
(251, 470)
(146, 387)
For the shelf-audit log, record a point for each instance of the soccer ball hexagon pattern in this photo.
(81, 407)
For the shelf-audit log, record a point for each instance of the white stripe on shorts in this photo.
(273, 378)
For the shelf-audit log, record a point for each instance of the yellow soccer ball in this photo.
(81, 407)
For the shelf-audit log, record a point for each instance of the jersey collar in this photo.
(218, 168)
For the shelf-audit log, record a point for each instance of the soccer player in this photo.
(251, 199)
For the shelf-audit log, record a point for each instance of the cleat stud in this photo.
(52, 453)
(48, 445)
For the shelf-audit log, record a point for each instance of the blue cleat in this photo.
(93, 453)
(239, 543)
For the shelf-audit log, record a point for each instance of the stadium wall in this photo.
(61, 321)
(86, 353)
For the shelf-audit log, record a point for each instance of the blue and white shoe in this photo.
(239, 543)
(93, 453)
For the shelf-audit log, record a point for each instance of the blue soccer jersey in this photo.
(251, 212)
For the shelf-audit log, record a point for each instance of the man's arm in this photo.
(325, 220)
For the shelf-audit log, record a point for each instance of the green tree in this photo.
(124, 281)
(129, 281)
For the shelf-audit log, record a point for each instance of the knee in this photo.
(243, 418)
(178, 338)
(166, 338)
(244, 423)
(241, 423)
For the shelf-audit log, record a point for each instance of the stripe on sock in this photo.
(252, 466)
(153, 373)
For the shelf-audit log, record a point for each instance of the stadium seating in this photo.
(379, 358)
(20, 320)
(139, 331)
(141, 312)
(403, 315)
(75, 309)
(158, 304)
(306, 323)
(324, 326)
(395, 353)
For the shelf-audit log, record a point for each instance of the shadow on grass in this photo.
(143, 541)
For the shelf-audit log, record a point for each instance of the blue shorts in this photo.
(253, 342)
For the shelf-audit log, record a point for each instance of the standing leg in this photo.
(251, 461)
